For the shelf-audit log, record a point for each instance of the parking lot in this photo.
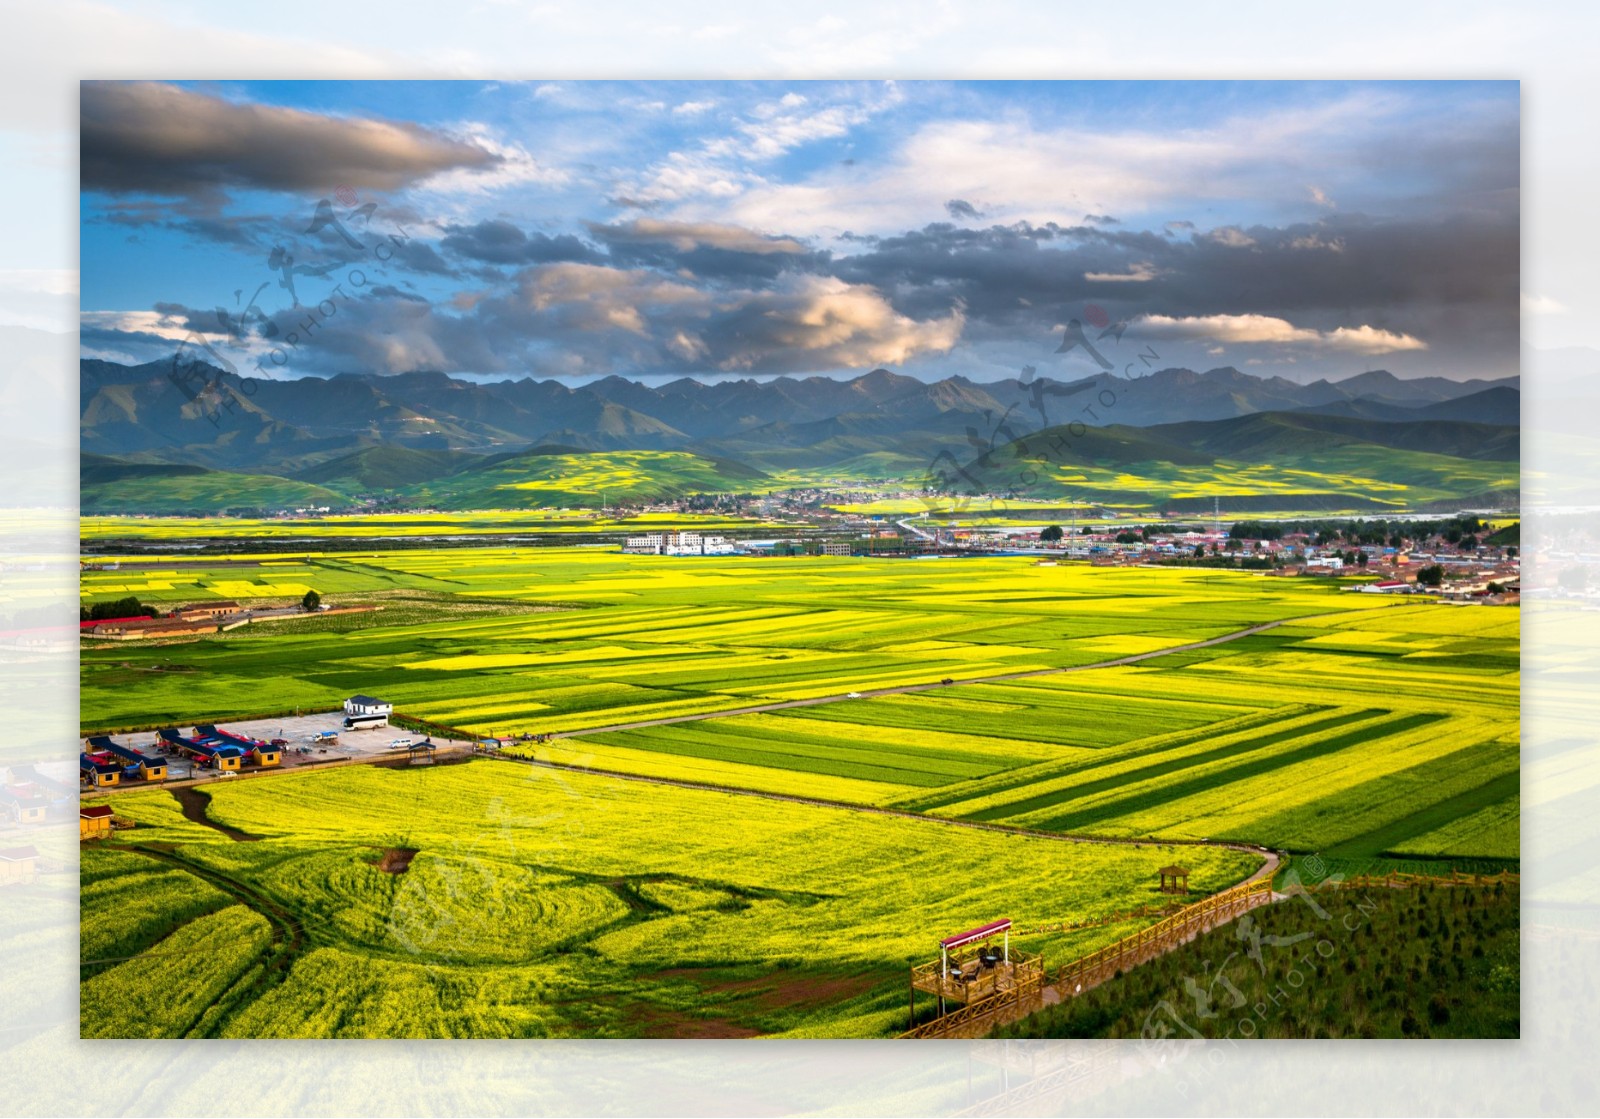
(299, 731)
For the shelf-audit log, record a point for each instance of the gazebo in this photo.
(1174, 879)
(972, 968)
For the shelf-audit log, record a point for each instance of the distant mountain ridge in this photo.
(294, 428)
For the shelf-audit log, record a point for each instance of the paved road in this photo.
(905, 689)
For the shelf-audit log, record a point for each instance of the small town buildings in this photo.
(679, 544)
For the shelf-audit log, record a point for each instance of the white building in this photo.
(679, 544)
(362, 712)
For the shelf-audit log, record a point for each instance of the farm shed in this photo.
(94, 821)
(18, 865)
(195, 611)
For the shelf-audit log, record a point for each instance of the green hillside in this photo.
(387, 468)
(108, 485)
(543, 478)
(1257, 463)
(1272, 434)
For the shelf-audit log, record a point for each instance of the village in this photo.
(1457, 559)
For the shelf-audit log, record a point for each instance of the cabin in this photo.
(98, 771)
(253, 750)
(94, 821)
(20, 807)
(18, 866)
(363, 712)
(148, 767)
(205, 752)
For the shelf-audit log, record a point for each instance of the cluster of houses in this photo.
(202, 617)
(672, 543)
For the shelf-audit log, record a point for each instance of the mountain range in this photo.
(209, 418)
(203, 440)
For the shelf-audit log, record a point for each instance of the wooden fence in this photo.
(1161, 937)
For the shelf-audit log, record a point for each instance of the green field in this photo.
(1360, 727)
(365, 526)
(545, 905)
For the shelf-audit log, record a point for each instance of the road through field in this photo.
(905, 689)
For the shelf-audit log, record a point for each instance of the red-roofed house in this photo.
(94, 821)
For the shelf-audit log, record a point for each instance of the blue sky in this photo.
(716, 229)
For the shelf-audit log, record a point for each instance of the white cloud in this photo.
(1533, 304)
(1137, 273)
(687, 236)
(693, 108)
(139, 322)
(1320, 197)
(591, 319)
(1231, 236)
(1314, 241)
(823, 322)
(1257, 329)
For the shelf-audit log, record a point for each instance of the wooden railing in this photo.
(978, 1018)
(985, 1013)
(1161, 937)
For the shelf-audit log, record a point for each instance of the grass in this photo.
(1439, 962)
(565, 904)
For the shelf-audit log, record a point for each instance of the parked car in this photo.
(228, 773)
(853, 695)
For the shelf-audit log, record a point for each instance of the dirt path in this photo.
(196, 804)
(906, 689)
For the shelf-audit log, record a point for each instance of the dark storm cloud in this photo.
(714, 253)
(500, 242)
(962, 210)
(1345, 270)
(147, 137)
